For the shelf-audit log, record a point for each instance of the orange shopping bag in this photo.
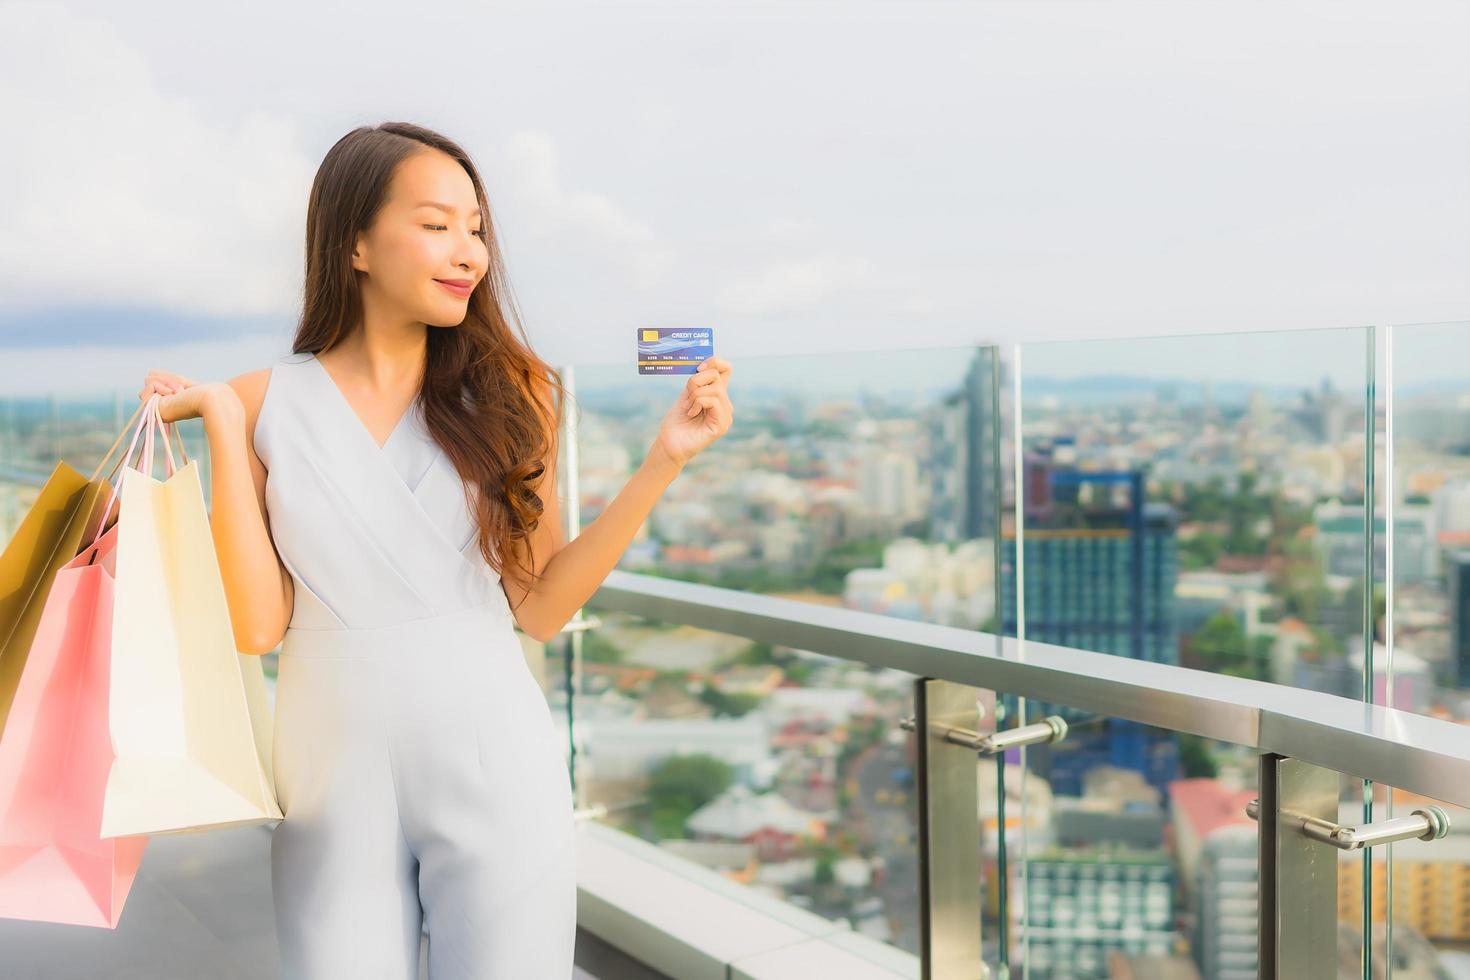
(57, 751)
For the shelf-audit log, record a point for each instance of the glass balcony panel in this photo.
(1421, 889)
(785, 770)
(1195, 501)
(1419, 924)
(1243, 552)
(1140, 858)
(1428, 653)
(860, 480)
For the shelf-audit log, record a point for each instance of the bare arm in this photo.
(574, 571)
(258, 588)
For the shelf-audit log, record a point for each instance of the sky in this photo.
(804, 177)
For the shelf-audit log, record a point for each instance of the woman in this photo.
(384, 509)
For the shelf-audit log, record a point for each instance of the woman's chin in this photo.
(446, 315)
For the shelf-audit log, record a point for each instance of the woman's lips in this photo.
(460, 291)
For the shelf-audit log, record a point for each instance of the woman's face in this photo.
(429, 230)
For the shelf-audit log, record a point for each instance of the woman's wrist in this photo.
(662, 462)
(220, 406)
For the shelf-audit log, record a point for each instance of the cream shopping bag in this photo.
(190, 717)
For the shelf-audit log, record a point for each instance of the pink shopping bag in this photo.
(57, 752)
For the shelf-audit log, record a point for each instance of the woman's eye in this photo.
(478, 231)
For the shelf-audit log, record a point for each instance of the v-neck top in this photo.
(372, 536)
(402, 419)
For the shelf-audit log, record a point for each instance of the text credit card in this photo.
(674, 350)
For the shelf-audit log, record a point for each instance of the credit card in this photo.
(674, 350)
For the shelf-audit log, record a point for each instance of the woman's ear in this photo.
(359, 253)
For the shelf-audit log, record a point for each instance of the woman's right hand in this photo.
(182, 398)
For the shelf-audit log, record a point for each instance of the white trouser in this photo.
(422, 782)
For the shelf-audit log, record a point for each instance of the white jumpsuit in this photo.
(415, 758)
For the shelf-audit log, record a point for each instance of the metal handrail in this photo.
(1402, 749)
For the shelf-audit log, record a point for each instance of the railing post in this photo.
(948, 785)
(1298, 876)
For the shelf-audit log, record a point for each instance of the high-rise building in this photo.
(1082, 905)
(1098, 578)
(1227, 935)
(1458, 571)
(963, 502)
(1215, 843)
(1341, 531)
(888, 483)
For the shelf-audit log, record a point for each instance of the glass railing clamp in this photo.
(1050, 729)
(1429, 823)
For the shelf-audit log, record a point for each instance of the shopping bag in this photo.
(56, 749)
(55, 758)
(189, 714)
(63, 516)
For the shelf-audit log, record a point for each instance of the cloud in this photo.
(129, 196)
(797, 284)
(146, 218)
(938, 174)
(556, 213)
(87, 368)
(828, 281)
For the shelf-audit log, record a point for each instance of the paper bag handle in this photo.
(145, 426)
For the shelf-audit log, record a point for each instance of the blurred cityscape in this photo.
(1216, 525)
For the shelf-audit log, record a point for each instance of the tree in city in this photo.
(1221, 646)
(1301, 581)
(682, 784)
(824, 870)
(1195, 760)
(598, 649)
(727, 704)
(757, 654)
(1200, 551)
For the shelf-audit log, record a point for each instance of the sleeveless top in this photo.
(372, 537)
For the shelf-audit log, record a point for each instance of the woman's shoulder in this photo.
(252, 385)
(253, 388)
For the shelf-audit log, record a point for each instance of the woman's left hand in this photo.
(702, 414)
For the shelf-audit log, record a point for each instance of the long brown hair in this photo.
(486, 396)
